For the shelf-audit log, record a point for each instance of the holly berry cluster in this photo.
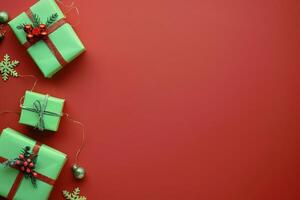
(35, 33)
(26, 163)
(37, 30)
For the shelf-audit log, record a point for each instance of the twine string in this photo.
(22, 98)
(69, 8)
(9, 112)
(32, 88)
(31, 76)
(83, 136)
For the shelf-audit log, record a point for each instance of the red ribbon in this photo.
(20, 175)
(48, 42)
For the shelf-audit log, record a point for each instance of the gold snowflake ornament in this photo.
(75, 195)
(7, 67)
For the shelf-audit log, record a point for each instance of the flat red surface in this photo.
(182, 100)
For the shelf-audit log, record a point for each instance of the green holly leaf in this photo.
(7, 67)
(75, 195)
(21, 26)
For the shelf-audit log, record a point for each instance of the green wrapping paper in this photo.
(64, 38)
(51, 117)
(49, 163)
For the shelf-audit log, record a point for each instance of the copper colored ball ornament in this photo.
(3, 17)
(28, 28)
(78, 172)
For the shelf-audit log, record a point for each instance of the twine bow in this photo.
(40, 108)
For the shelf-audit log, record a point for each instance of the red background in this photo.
(184, 99)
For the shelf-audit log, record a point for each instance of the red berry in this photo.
(44, 33)
(18, 162)
(28, 170)
(29, 160)
(31, 165)
(34, 174)
(36, 31)
(30, 37)
(25, 164)
(22, 168)
(28, 28)
(42, 27)
(21, 156)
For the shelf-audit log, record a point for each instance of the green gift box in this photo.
(13, 184)
(41, 111)
(60, 47)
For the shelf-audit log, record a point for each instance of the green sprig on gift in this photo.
(37, 30)
(51, 19)
(26, 163)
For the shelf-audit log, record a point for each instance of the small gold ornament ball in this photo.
(3, 17)
(78, 172)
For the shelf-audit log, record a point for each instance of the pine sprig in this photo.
(36, 20)
(75, 195)
(21, 26)
(7, 67)
(26, 151)
(8, 163)
(51, 19)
